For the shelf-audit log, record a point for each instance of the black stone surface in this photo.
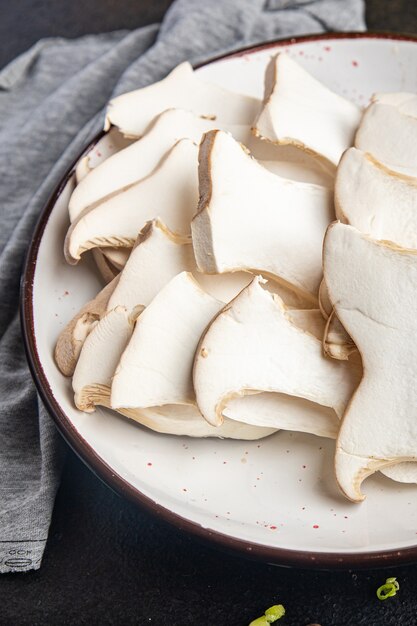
(108, 562)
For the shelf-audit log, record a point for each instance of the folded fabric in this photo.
(52, 101)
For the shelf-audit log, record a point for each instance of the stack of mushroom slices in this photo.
(208, 222)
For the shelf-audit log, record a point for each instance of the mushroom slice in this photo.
(186, 420)
(376, 200)
(140, 158)
(251, 219)
(156, 367)
(93, 377)
(278, 410)
(71, 339)
(135, 286)
(99, 357)
(300, 111)
(254, 346)
(372, 285)
(132, 112)
(157, 257)
(390, 136)
(170, 193)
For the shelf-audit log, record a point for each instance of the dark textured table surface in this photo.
(108, 562)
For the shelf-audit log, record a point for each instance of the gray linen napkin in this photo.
(52, 100)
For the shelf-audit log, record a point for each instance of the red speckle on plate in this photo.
(98, 153)
(327, 48)
(149, 464)
(355, 63)
(184, 489)
(345, 516)
(66, 293)
(224, 462)
(316, 526)
(301, 53)
(273, 527)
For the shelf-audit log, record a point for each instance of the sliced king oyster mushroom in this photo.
(372, 285)
(93, 378)
(170, 193)
(138, 160)
(71, 339)
(96, 365)
(299, 110)
(157, 257)
(390, 135)
(253, 346)
(175, 320)
(376, 200)
(251, 219)
(132, 112)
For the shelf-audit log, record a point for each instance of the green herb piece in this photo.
(388, 590)
(271, 615)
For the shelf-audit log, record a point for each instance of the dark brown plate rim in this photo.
(275, 555)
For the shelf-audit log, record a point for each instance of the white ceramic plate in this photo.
(276, 498)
